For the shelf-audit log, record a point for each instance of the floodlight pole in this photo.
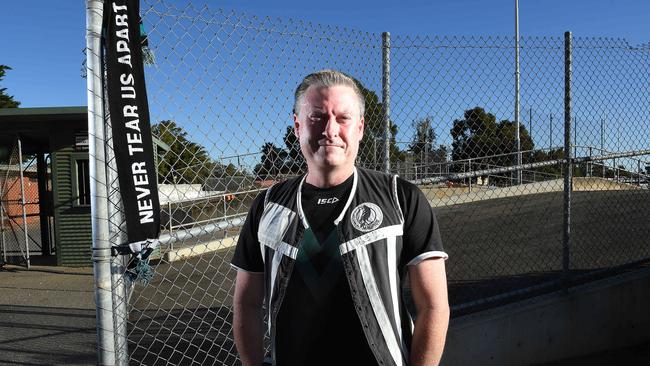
(517, 133)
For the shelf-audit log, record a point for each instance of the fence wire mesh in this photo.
(458, 95)
(506, 238)
(220, 87)
(20, 230)
(610, 221)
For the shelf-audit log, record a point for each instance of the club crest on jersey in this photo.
(366, 217)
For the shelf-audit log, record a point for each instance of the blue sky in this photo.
(231, 87)
(43, 40)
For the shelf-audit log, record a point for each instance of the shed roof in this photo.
(43, 114)
(36, 123)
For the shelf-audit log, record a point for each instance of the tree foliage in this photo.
(491, 144)
(479, 135)
(294, 162)
(425, 154)
(423, 144)
(187, 162)
(551, 155)
(371, 147)
(6, 100)
(273, 162)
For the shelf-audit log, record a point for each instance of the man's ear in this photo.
(362, 125)
(296, 125)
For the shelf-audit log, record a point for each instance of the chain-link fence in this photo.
(20, 230)
(506, 232)
(220, 88)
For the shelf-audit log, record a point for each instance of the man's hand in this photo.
(248, 325)
(429, 289)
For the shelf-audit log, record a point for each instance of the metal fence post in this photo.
(120, 288)
(385, 96)
(169, 213)
(2, 230)
(22, 199)
(602, 143)
(121, 315)
(590, 164)
(119, 283)
(550, 133)
(225, 206)
(575, 136)
(568, 158)
(530, 123)
(98, 190)
(469, 167)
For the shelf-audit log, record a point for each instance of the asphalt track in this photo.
(499, 246)
(496, 247)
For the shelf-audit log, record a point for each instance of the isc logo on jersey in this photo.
(323, 201)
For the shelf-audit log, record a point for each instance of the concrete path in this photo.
(47, 316)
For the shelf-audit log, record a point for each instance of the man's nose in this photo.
(331, 127)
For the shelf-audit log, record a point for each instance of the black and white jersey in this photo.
(324, 288)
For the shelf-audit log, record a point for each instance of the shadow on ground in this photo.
(182, 337)
(34, 335)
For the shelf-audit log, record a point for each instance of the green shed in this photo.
(45, 186)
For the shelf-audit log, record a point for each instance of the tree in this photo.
(371, 147)
(187, 162)
(487, 143)
(272, 163)
(231, 170)
(295, 162)
(507, 133)
(423, 139)
(478, 135)
(554, 154)
(474, 136)
(423, 148)
(6, 101)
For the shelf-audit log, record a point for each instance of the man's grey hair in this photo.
(326, 78)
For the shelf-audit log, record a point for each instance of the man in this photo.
(331, 252)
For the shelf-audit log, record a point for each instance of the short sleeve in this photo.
(248, 256)
(421, 236)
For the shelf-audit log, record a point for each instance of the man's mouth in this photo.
(326, 144)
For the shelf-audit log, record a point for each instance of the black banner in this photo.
(129, 112)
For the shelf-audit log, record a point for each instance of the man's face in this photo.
(329, 127)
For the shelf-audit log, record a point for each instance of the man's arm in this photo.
(248, 325)
(429, 289)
